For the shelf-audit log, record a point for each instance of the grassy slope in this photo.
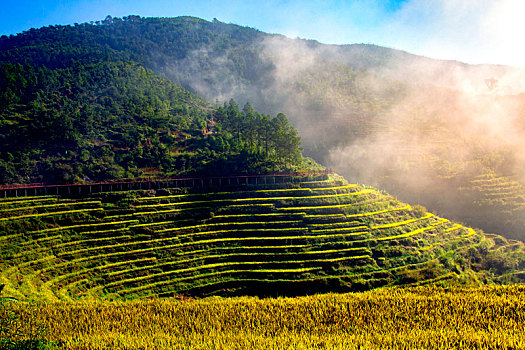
(318, 235)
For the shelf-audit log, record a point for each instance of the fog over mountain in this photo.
(444, 134)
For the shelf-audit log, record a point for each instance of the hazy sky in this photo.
(473, 31)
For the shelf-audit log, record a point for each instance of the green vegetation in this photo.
(319, 234)
(109, 96)
(148, 126)
(111, 100)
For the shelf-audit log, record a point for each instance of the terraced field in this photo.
(317, 235)
(497, 200)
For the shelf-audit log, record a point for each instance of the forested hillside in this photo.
(110, 120)
(426, 130)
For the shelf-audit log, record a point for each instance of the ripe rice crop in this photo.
(412, 318)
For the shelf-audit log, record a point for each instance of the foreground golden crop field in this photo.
(490, 317)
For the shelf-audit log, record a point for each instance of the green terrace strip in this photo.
(257, 215)
(249, 205)
(34, 262)
(339, 229)
(254, 230)
(51, 214)
(306, 189)
(329, 206)
(219, 256)
(64, 228)
(406, 207)
(36, 200)
(302, 279)
(401, 223)
(317, 182)
(213, 274)
(96, 268)
(340, 215)
(470, 233)
(440, 222)
(83, 260)
(40, 240)
(262, 223)
(107, 266)
(93, 240)
(62, 204)
(252, 199)
(300, 189)
(279, 247)
(331, 224)
(228, 264)
(32, 252)
(96, 233)
(428, 247)
(2, 238)
(453, 228)
(434, 280)
(408, 234)
(287, 229)
(207, 241)
(26, 199)
(168, 211)
(160, 223)
(243, 279)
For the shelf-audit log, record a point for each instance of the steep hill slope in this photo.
(423, 129)
(258, 236)
(111, 120)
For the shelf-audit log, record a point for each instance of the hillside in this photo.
(114, 120)
(422, 129)
(265, 236)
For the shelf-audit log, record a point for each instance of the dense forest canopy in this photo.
(75, 112)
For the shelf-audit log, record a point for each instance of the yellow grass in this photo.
(413, 318)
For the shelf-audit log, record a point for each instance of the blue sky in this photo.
(473, 31)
